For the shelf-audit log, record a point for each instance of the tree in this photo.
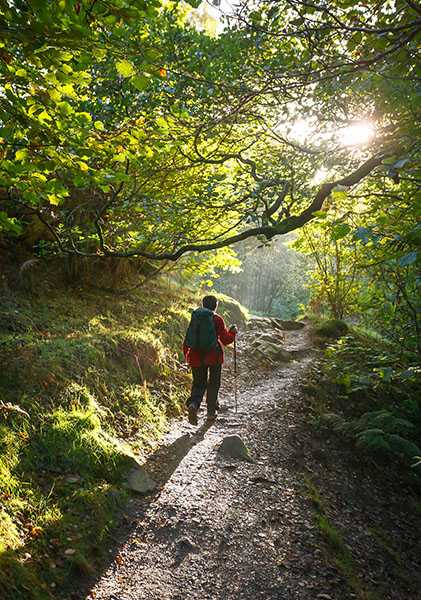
(127, 132)
(367, 258)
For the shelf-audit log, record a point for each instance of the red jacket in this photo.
(216, 355)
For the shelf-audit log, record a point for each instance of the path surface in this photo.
(230, 530)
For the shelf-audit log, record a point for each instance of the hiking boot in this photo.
(192, 414)
(211, 417)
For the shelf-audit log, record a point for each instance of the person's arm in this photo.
(226, 336)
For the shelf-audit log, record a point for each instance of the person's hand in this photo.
(234, 329)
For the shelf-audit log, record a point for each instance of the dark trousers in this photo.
(206, 379)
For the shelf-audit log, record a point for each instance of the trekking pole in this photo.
(235, 375)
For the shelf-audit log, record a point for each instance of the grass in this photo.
(99, 377)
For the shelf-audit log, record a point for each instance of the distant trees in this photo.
(272, 279)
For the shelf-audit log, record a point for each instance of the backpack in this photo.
(201, 332)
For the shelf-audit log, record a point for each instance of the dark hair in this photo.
(210, 302)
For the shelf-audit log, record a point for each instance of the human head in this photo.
(210, 302)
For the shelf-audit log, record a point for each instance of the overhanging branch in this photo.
(269, 231)
(280, 227)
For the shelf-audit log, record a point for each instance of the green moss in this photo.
(333, 329)
(74, 442)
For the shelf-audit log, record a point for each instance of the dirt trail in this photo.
(229, 530)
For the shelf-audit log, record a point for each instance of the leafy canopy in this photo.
(126, 131)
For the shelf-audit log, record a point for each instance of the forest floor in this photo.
(308, 519)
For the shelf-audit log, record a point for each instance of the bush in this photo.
(333, 328)
(370, 393)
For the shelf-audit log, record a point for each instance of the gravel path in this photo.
(223, 529)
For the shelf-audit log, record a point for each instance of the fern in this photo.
(404, 447)
(373, 439)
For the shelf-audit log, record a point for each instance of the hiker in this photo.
(203, 351)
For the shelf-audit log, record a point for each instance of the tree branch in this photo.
(269, 231)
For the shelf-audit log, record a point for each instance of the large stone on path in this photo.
(232, 446)
(277, 337)
(139, 480)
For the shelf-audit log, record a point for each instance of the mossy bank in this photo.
(81, 371)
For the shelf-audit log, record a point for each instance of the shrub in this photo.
(333, 328)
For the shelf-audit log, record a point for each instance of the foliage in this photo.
(332, 328)
(366, 257)
(91, 370)
(370, 393)
(128, 132)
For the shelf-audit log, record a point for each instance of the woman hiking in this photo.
(203, 350)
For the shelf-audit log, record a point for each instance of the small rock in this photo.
(139, 481)
(232, 446)
(70, 552)
(264, 480)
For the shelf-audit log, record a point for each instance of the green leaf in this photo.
(65, 108)
(44, 116)
(83, 166)
(140, 82)
(125, 68)
(161, 122)
(340, 231)
(9, 224)
(21, 154)
(85, 117)
(53, 199)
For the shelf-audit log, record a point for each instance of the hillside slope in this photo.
(88, 380)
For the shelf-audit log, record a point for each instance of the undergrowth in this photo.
(368, 390)
(81, 372)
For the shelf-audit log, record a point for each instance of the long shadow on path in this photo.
(160, 465)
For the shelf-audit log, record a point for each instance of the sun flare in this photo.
(357, 134)
(301, 130)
